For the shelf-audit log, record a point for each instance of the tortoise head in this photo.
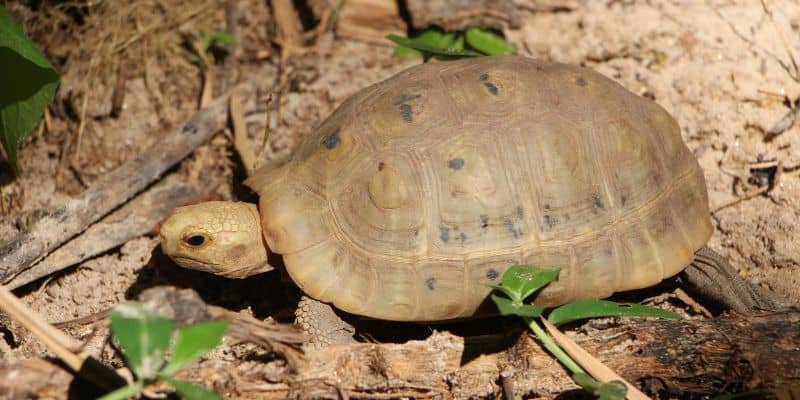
(220, 237)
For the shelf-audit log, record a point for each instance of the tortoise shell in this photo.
(419, 190)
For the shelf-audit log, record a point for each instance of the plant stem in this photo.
(553, 348)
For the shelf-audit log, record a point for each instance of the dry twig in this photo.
(20, 252)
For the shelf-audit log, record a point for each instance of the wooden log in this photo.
(683, 359)
(454, 15)
(370, 21)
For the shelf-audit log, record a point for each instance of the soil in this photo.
(726, 70)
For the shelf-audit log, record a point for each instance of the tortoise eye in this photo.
(195, 240)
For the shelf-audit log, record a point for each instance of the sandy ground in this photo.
(724, 69)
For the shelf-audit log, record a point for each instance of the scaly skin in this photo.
(232, 246)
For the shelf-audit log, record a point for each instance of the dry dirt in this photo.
(724, 69)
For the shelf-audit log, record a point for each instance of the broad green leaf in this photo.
(583, 309)
(614, 390)
(193, 341)
(434, 37)
(508, 307)
(488, 42)
(143, 336)
(406, 42)
(402, 51)
(27, 85)
(524, 280)
(192, 391)
(511, 295)
(125, 392)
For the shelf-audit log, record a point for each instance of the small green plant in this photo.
(521, 281)
(436, 43)
(144, 339)
(200, 46)
(27, 85)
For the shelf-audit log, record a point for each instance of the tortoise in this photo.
(419, 190)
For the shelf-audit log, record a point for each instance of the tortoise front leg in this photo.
(714, 278)
(321, 323)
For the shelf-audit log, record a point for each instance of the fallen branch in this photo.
(132, 220)
(671, 358)
(20, 252)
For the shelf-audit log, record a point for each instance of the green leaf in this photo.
(192, 391)
(125, 392)
(524, 280)
(508, 307)
(210, 39)
(425, 48)
(143, 336)
(193, 341)
(434, 37)
(402, 51)
(511, 295)
(488, 42)
(614, 390)
(28, 83)
(583, 309)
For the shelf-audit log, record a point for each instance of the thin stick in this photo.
(21, 251)
(63, 346)
(132, 220)
(592, 365)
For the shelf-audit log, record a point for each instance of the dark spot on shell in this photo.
(405, 98)
(331, 141)
(566, 217)
(484, 221)
(484, 77)
(622, 199)
(462, 237)
(511, 228)
(444, 233)
(547, 206)
(430, 283)
(189, 128)
(492, 274)
(455, 163)
(550, 221)
(580, 81)
(597, 201)
(381, 165)
(491, 88)
(520, 213)
(406, 113)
